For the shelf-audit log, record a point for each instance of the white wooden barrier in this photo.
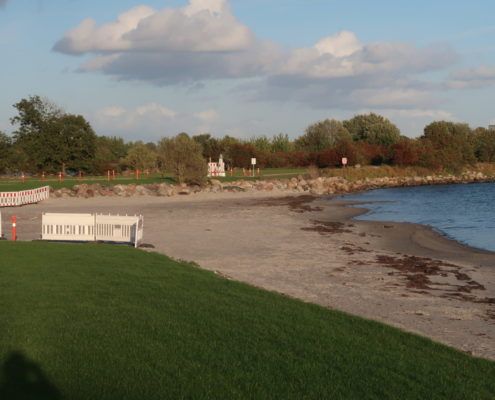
(14, 199)
(92, 227)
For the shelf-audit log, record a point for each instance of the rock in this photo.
(119, 190)
(162, 189)
(143, 191)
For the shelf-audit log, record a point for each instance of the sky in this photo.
(146, 69)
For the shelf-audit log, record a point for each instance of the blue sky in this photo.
(249, 67)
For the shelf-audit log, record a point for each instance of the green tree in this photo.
(32, 137)
(211, 147)
(281, 143)
(51, 139)
(5, 153)
(322, 135)
(228, 143)
(141, 156)
(451, 144)
(372, 128)
(261, 143)
(109, 152)
(484, 144)
(74, 142)
(182, 156)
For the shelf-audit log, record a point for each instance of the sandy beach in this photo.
(405, 275)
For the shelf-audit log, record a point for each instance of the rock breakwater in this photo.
(300, 184)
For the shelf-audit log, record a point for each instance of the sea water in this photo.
(465, 213)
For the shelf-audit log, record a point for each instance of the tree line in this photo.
(47, 139)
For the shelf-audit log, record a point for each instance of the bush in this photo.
(405, 152)
(371, 154)
(240, 154)
(451, 145)
(182, 156)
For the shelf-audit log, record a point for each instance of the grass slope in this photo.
(102, 322)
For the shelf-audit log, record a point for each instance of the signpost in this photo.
(344, 161)
(253, 163)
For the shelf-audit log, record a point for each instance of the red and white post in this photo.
(14, 228)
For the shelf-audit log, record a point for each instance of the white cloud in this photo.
(88, 37)
(201, 26)
(207, 115)
(342, 55)
(204, 41)
(112, 112)
(150, 117)
(422, 113)
(152, 121)
(155, 110)
(342, 44)
(472, 78)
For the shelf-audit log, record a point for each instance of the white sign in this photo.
(253, 161)
(344, 161)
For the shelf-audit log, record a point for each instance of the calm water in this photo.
(463, 212)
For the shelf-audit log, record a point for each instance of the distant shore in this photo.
(311, 248)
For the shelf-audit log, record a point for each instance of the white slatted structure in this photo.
(116, 228)
(68, 227)
(31, 196)
(92, 227)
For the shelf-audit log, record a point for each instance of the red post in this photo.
(23, 177)
(80, 175)
(60, 176)
(42, 176)
(14, 228)
(113, 174)
(137, 174)
(108, 175)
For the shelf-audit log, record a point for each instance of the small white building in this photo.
(216, 169)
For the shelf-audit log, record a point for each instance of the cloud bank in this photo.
(204, 41)
(152, 120)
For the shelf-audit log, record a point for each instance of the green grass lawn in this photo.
(111, 322)
(266, 173)
(7, 185)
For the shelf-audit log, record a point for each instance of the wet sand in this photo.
(405, 275)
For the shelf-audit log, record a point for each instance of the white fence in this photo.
(13, 199)
(92, 227)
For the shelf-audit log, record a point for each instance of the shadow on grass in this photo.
(23, 379)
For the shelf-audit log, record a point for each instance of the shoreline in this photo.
(435, 233)
(311, 248)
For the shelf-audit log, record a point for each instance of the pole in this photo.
(14, 228)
